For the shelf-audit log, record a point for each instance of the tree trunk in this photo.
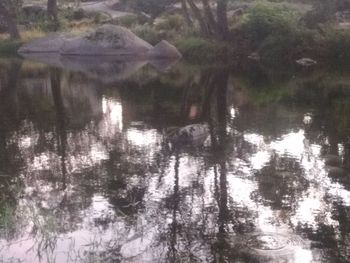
(198, 15)
(185, 13)
(222, 25)
(12, 28)
(211, 23)
(10, 20)
(52, 13)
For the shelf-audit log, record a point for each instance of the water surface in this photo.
(143, 162)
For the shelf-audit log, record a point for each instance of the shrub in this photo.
(199, 49)
(148, 33)
(264, 19)
(9, 47)
(284, 48)
(126, 21)
(171, 22)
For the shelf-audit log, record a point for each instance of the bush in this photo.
(337, 43)
(284, 48)
(171, 22)
(9, 47)
(148, 33)
(264, 19)
(126, 21)
(199, 49)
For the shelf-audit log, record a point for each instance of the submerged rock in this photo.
(306, 62)
(194, 135)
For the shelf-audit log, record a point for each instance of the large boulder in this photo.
(52, 43)
(107, 40)
(164, 50)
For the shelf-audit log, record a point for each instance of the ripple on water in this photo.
(270, 245)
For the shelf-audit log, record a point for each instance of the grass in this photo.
(9, 47)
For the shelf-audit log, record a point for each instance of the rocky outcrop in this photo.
(107, 40)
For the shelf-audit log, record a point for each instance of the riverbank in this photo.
(269, 33)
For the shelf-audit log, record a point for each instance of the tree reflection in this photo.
(98, 171)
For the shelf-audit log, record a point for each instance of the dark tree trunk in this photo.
(10, 20)
(12, 28)
(52, 13)
(222, 25)
(198, 15)
(209, 16)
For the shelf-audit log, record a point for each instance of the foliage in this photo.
(11, 5)
(264, 19)
(199, 49)
(151, 7)
(126, 21)
(148, 33)
(9, 47)
(171, 22)
(336, 44)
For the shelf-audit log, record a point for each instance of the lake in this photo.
(163, 162)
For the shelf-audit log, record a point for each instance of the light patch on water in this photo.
(290, 144)
(260, 159)
(302, 255)
(240, 190)
(112, 122)
(256, 139)
(233, 113)
(312, 207)
(307, 118)
(26, 142)
(338, 191)
(142, 138)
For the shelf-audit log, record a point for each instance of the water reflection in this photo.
(188, 165)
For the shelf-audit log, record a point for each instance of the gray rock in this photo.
(52, 43)
(194, 135)
(306, 62)
(164, 50)
(107, 40)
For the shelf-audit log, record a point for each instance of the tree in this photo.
(210, 24)
(8, 12)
